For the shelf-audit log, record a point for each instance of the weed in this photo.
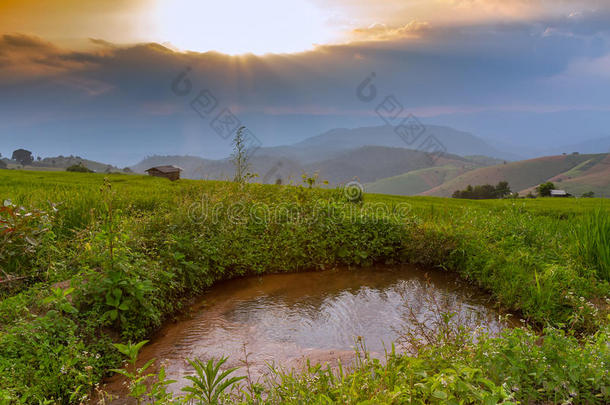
(209, 384)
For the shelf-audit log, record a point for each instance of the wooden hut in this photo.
(559, 193)
(169, 172)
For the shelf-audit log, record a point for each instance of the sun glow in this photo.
(242, 26)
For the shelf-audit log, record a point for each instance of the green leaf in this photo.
(439, 394)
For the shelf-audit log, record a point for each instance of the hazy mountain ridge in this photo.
(340, 155)
(454, 141)
(366, 164)
(378, 157)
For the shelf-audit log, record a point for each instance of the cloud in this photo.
(444, 67)
(381, 32)
(24, 57)
(115, 20)
(90, 86)
(591, 69)
(107, 93)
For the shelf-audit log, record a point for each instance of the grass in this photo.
(135, 249)
(593, 241)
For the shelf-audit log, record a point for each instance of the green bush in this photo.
(79, 168)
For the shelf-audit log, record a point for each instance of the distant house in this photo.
(559, 193)
(169, 172)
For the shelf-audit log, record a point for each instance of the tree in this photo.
(79, 168)
(502, 189)
(24, 157)
(3, 164)
(240, 157)
(544, 190)
(588, 194)
(484, 191)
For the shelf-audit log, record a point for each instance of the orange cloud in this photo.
(378, 32)
(70, 20)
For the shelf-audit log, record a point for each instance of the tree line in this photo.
(484, 191)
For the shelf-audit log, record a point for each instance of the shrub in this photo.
(79, 168)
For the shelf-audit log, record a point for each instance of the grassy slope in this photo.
(591, 175)
(417, 181)
(523, 252)
(520, 175)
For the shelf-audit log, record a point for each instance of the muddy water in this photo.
(288, 318)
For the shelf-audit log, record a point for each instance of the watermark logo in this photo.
(353, 191)
(367, 91)
(225, 124)
(408, 128)
(242, 212)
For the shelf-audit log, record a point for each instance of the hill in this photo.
(60, 163)
(268, 167)
(372, 163)
(368, 164)
(591, 175)
(587, 171)
(337, 140)
(418, 181)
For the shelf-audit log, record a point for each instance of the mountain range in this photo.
(381, 159)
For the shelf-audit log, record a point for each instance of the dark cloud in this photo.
(112, 93)
(22, 41)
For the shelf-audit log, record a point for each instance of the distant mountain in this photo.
(367, 164)
(535, 134)
(334, 141)
(371, 163)
(599, 145)
(269, 168)
(367, 153)
(575, 172)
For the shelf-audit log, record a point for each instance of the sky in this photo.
(99, 78)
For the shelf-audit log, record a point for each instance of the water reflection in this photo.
(284, 319)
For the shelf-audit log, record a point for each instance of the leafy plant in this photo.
(21, 232)
(209, 383)
(60, 298)
(241, 158)
(143, 387)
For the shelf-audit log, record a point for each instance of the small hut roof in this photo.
(166, 169)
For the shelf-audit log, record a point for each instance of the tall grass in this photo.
(593, 241)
